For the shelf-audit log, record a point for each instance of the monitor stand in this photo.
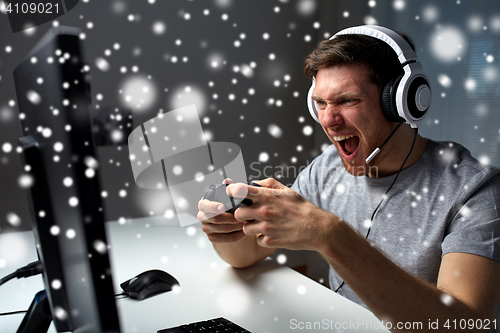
(38, 317)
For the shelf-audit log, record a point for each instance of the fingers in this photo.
(252, 228)
(208, 206)
(217, 218)
(242, 190)
(226, 238)
(212, 208)
(221, 228)
(227, 181)
(270, 186)
(271, 183)
(246, 214)
(261, 241)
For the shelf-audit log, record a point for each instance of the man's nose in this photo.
(330, 117)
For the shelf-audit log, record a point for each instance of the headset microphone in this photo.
(377, 150)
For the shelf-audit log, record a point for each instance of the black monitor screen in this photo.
(65, 200)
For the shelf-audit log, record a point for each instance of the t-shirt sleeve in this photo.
(305, 180)
(475, 229)
(299, 183)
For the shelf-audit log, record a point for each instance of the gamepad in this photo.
(218, 193)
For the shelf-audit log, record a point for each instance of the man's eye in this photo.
(350, 101)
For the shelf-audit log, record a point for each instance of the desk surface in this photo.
(265, 298)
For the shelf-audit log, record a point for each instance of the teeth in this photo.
(342, 137)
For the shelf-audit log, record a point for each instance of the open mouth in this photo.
(348, 143)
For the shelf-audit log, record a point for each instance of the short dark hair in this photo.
(380, 58)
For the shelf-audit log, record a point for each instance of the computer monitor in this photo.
(65, 198)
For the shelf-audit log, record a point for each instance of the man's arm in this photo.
(244, 253)
(474, 280)
(468, 285)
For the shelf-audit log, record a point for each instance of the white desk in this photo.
(265, 298)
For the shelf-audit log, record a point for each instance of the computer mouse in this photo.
(148, 284)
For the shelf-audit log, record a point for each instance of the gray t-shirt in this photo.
(445, 202)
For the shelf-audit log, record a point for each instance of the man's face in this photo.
(349, 112)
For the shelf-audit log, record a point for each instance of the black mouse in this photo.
(148, 284)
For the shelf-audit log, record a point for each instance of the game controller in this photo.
(218, 193)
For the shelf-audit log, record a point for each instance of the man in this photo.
(413, 236)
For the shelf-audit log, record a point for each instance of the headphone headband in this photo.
(394, 40)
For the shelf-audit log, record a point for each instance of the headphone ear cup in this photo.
(311, 104)
(388, 100)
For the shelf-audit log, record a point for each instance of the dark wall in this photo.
(197, 43)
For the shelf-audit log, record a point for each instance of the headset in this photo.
(405, 98)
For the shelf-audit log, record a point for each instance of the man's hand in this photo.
(226, 233)
(280, 217)
(220, 227)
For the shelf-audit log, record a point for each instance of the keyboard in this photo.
(218, 325)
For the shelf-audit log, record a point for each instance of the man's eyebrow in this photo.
(317, 99)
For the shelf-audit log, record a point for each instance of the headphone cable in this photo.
(12, 313)
(385, 195)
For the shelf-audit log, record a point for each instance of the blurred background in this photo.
(240, 62)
